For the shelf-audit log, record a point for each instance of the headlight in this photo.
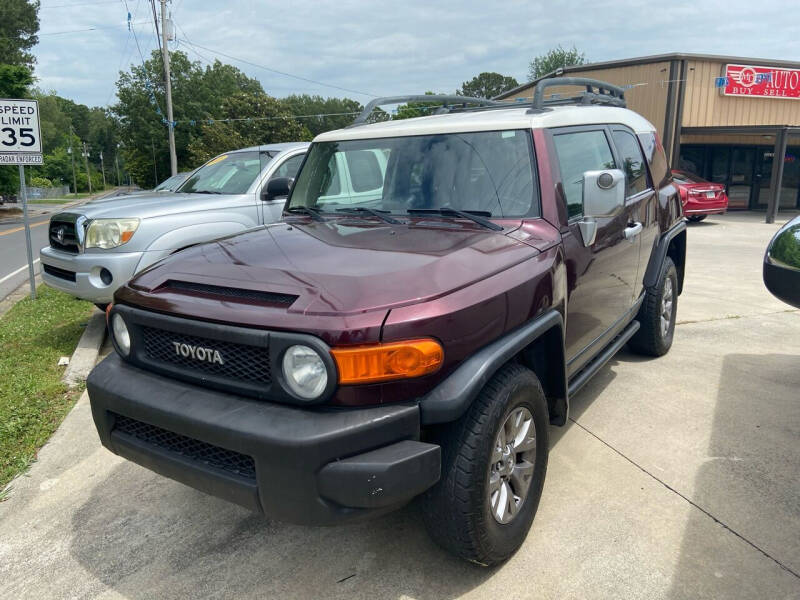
(110, 233)
(121, 335)
(304, 371)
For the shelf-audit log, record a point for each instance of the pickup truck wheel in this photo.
(494, 460)
(696, 218)
(657, 314)
(102, 307)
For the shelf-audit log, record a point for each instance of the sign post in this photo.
(21, 144)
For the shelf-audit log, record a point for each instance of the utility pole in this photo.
(69, 151)
(103, 169)
(116, 164)
(173, 159)
(86, 160)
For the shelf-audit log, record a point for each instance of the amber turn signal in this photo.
(384, 362)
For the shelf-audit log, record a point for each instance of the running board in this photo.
(601, 359)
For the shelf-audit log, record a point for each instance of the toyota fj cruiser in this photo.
(415, 337)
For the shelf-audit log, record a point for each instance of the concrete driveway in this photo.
(678, 478)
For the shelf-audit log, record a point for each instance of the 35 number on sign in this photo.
(9, 137)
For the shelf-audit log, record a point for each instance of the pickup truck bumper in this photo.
(313, 466)
(80, 274)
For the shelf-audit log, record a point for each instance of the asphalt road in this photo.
(13, 258)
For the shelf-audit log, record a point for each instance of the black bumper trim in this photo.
(290, 446)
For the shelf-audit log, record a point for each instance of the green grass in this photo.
(33, 400)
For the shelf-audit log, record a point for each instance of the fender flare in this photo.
(453, 396)
(660, 253)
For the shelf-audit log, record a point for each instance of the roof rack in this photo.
(597, 92)
(445, 100)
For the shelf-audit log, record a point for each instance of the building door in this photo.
(791, 178)
(740, 186)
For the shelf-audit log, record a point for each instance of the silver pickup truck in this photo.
(96, 247)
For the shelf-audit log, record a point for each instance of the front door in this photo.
(602, 277)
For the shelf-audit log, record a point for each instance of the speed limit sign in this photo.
(20, 136)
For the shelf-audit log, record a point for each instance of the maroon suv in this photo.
(438, 290)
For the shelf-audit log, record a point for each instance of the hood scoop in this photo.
(229, 293)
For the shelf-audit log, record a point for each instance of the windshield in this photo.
(231, 173)
(171, 183)
(490, 172)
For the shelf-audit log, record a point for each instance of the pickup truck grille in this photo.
(63, 236)
(232, 462)
(238, 362)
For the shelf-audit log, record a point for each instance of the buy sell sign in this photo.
(764, 82)
(20, 136)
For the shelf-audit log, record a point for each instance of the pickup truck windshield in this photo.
(489, 171)
(231, 173)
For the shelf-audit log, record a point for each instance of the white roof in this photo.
(493, 120)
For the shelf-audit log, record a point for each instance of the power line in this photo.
(285, 74)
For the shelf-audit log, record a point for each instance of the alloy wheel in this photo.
(511, 467)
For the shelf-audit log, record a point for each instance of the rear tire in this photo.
(494, 460)
(696, 218)
(657, 314)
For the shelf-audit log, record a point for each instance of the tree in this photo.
(300, 105)
(487, 85)
(14, 81)
(556, 58)
(19, 23)
(247, 119)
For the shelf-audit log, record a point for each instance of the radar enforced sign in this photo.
(20, 137)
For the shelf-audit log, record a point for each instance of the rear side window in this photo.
(632, 161)
(365, 171)
(289, 167)
(578, 152)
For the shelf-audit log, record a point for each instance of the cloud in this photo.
(388, 48)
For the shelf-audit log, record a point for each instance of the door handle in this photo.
(631, 231)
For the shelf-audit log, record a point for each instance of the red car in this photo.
(699, 197)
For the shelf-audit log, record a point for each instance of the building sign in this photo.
(20, 136)
(762, 82)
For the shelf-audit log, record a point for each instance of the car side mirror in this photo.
(782, 264)
(603, 196)
(277, 187)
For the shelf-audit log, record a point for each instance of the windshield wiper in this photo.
(477, 216)
(306, 210)
(380, 214)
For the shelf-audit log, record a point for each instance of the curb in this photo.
(86, 352)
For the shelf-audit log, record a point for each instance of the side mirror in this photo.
(603, 196)
(782, 264)
(277, 187)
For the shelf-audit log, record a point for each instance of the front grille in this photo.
(69, 237)
(60, 273)
(238, 361)
(230, 292)
(208, 454)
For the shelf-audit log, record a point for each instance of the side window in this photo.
(365, 170)
(632, 161)
(578, 152)
(289, 167)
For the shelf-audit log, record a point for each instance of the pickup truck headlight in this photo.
(110, 233)
(304, 371)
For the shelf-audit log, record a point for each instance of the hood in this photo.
(151, 204)
(346, 266)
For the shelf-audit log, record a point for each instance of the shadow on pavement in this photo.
(148, 537)
(749, 482)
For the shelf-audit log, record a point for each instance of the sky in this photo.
(366, 48)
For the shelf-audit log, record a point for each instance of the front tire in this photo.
(494, 460)
(657, 315)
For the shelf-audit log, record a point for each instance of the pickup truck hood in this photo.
(346, 266)
(155, 204)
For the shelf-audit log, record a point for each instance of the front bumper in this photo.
(79, 274)
(314, 466)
